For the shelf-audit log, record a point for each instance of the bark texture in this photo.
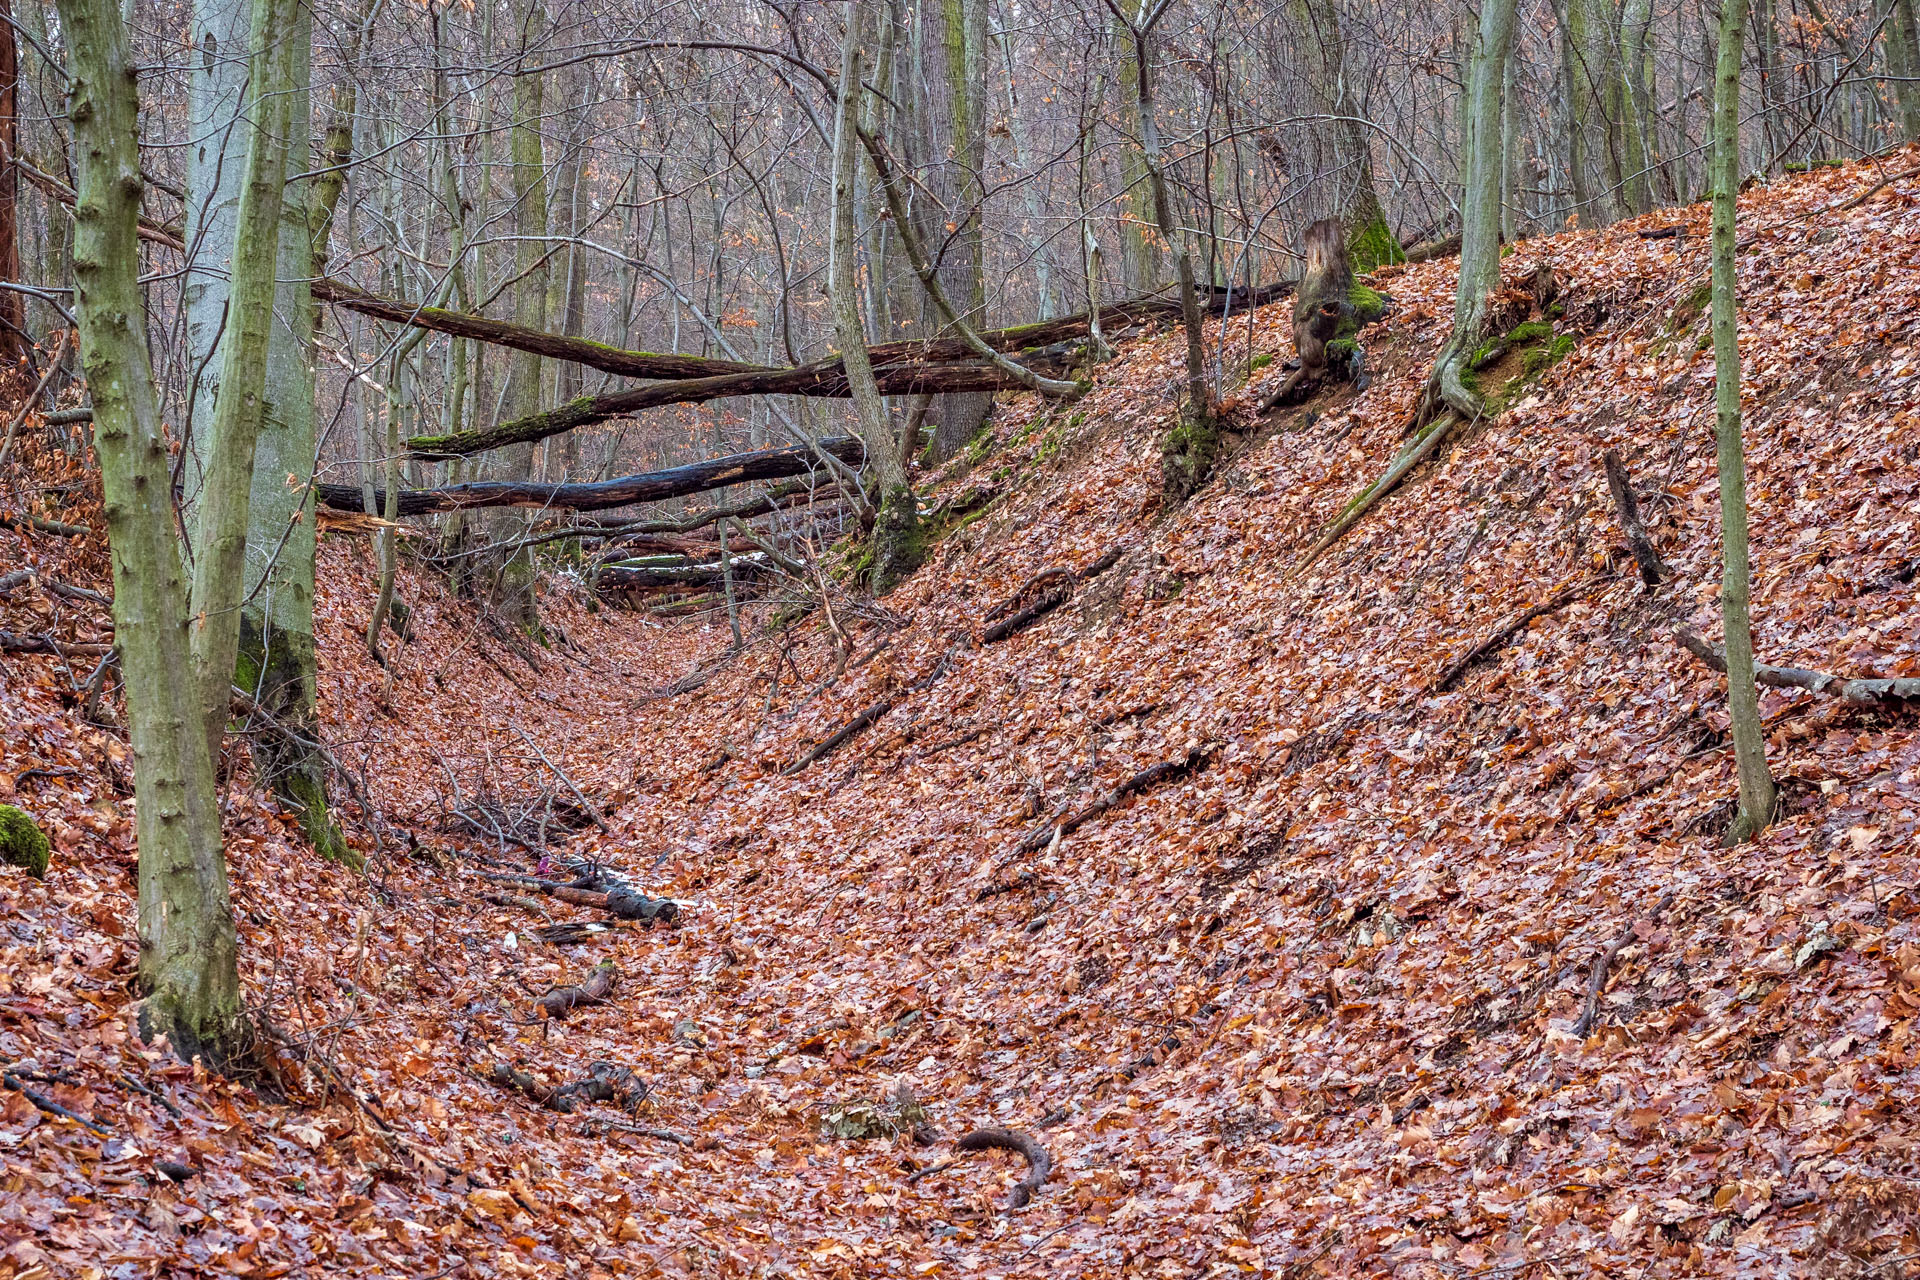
(188, 948)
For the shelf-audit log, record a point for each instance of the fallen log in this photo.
(822, 378)
(40, 524)
(919, 367)
(561, 1001)
(604, 1082)
(519, 337)
(1859, 692)
(602, 495)
(12, 643)
(619, 577)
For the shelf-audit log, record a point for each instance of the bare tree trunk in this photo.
(963, 274)
(1479, 213)
(15, 342)
(896, 536)
(1903, 62)
(1743, 697)
(241, 404)
(1370, 241)
(188, 948)
(515, 594)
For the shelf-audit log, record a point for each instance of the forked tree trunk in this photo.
(188, 949)
(1743, 697)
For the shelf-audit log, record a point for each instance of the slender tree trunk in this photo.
(963, 35)
(188, 948)
(1140, 244)
(241, 404)
(896, 535)
(15, 342)
(1479, 212)
(516, 592)
(1743, 697)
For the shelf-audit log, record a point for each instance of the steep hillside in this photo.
(1416, 955)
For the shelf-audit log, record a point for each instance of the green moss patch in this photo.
(23, 843)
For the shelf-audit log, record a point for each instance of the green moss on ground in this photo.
(1187, 454)
(23, 843)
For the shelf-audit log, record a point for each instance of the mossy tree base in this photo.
(276, 668)
(1189, 452)
(22, 843)
(898, 545)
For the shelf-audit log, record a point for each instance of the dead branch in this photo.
(840, 736)
(1507, 631)
(13, 643)
(1859, 692)
(48, 1105)
(1146, 779)
(600, 1125)
(1039, 1163)
(1628, 508)
(1597, 979)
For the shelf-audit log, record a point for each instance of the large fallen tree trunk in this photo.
(823, 378)
(648, 486)
(931, 366)
(519, 337)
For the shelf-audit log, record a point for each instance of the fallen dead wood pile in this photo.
(604, 1082)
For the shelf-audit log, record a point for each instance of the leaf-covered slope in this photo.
(1310, 1002)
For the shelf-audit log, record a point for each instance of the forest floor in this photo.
(1313, 1000)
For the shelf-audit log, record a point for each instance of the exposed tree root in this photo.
(1039, 1163)
(1417, 450)
(845, 733)
(1597, 978)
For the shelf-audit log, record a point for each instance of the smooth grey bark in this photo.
(1743, 697)
(188, 946)
(1902, 44)
(963, 37)
(275, 661)
(241, 404)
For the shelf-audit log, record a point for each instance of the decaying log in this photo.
(604, 1082)
(649, 486)
(13, 643)
(1627, 507)
(561, 1001)
(1859, 692)
(29, 524)
(1039, 1163)
(593, 891)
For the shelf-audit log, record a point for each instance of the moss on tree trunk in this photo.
(276, 668)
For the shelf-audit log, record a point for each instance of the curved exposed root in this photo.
(1039, 1163)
